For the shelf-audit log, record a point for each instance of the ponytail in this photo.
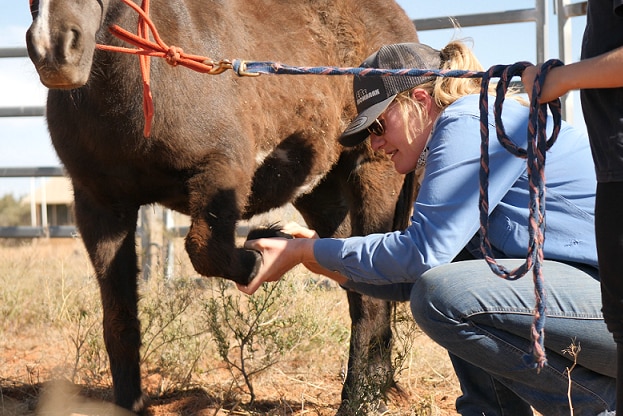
(456, 56)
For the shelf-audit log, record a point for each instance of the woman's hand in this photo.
(296, 230)
(278, 256)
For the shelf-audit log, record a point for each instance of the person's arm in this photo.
(602, 71)
(280, 255)
(296, 230)
(445, 217)
(446, 214)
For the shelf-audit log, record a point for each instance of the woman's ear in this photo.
(422, 96)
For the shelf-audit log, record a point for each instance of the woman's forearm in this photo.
(315, 267)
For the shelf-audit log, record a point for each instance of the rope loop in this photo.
(535, 153)
(145, 48)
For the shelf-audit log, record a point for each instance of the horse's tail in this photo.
(404, 205)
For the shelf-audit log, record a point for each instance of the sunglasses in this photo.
(377, 128)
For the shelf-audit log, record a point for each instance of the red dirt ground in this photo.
(30, 385)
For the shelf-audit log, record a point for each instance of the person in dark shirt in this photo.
(599, 77)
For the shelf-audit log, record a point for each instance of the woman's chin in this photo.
(402, 169)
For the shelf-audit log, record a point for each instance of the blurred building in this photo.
(56, 194)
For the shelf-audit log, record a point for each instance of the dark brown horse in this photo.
(221, 147)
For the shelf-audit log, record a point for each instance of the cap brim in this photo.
(357, 130)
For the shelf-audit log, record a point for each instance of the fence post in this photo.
(169, 257)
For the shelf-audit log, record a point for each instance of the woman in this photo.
(481, 319)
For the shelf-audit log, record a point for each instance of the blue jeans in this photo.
(484, 323)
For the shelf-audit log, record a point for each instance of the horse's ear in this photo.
(268, 231)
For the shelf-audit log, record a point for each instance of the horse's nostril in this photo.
(69, 46)
(75, 39)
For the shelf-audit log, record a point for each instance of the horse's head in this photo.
(61, 40)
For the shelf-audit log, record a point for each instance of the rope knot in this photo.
(173, 55)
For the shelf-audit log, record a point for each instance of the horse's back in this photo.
(236, 121)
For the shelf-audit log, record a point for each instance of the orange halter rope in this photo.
(146, 49)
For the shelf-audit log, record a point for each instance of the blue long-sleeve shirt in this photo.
(446, 211)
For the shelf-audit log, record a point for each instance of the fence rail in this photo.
(32, 172)
(34, 111)
(51, 231)
(537, 15)
(19, 52)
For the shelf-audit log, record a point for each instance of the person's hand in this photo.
(527, 78)
(550, 90)
(296, 230)
(278, 256)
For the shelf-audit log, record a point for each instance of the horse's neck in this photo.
(116, 13)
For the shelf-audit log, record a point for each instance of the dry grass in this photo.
(52, 359)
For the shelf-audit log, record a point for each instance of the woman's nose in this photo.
(376, 142)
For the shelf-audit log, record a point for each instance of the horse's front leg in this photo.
(216, 203)
(109, 236)
(370, 373)
(370, 198)
(378, 193)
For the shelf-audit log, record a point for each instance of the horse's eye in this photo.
(34, 8)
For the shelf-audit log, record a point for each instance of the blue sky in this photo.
(24, 141)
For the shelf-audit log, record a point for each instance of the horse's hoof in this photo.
(267, 231)
(255, 267)
(379, 410)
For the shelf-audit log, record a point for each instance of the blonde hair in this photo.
(444, 91)
(456, 56)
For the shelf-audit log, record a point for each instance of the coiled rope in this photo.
(535, 153)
